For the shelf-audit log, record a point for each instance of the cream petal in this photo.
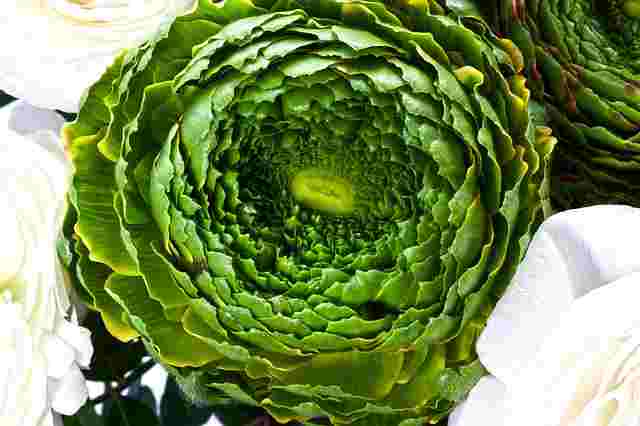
(25, 119)
(570, 255)
(12, 251)
(96, 389)
(620, 365)
(71, 46)
(53, 385)
(56, 171)
(572, 361)
(48, 419)
(483, 406)
(563, 391)
(7, 360)
(598, 413)
(29, 402)
(60, 356)
(35, 401)
(607, 245)
(539, 292)
(36, 174)
(555, 332)
(80, 340)
(71, 394)
(39, 305)
(41, 175)
(55, 167)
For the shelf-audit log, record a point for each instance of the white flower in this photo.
(53, 50)
(563, 344)
(41, 349)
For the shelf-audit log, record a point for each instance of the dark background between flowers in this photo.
(126, 402)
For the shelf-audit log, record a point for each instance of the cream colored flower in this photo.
(41, 348)
(53, 50)
(563, 344)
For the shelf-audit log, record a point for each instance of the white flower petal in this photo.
(596, 242)
(25, 119)
(484, 405)
(96, 389)
(6, 367)
(71, 394)
(47, 419)
(37, 343)
(572, 253)
(63, 297)
(59, 49)
(80, 340)
(60, 356)
(156, 380)
(525, 312)
(565, 337)
(12, 251)
(34, 397)
(555, 387)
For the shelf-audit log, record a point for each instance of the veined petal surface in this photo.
(41, 346)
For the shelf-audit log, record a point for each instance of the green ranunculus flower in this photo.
(309, 206)
(583, 62)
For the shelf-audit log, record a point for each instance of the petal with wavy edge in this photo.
(572, 253)
(69, 53)
(576, 355)
(37, 176)
(79, 338)
(484, 402)
(59, 354)
(25, 119)
(557, 328)
(71, 393)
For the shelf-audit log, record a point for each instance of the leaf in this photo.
(112, 359)
(464, 7)
(176, 410)
(129, 412)
(456, 383)
(86, 416)
(143, 394)
(237, 414)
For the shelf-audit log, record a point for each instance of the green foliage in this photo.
(130, 412)
(176, 410)
(86, 416)
(309, 207)
(112, 359)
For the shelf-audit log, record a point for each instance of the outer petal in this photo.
(572, 253)
(485, 402)
(58, 49)
(25, 119)
(71, 393)
(79, 339)
(40, 349)
(568, 371)
(558, 289)
(11, 255)
(59, 355)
